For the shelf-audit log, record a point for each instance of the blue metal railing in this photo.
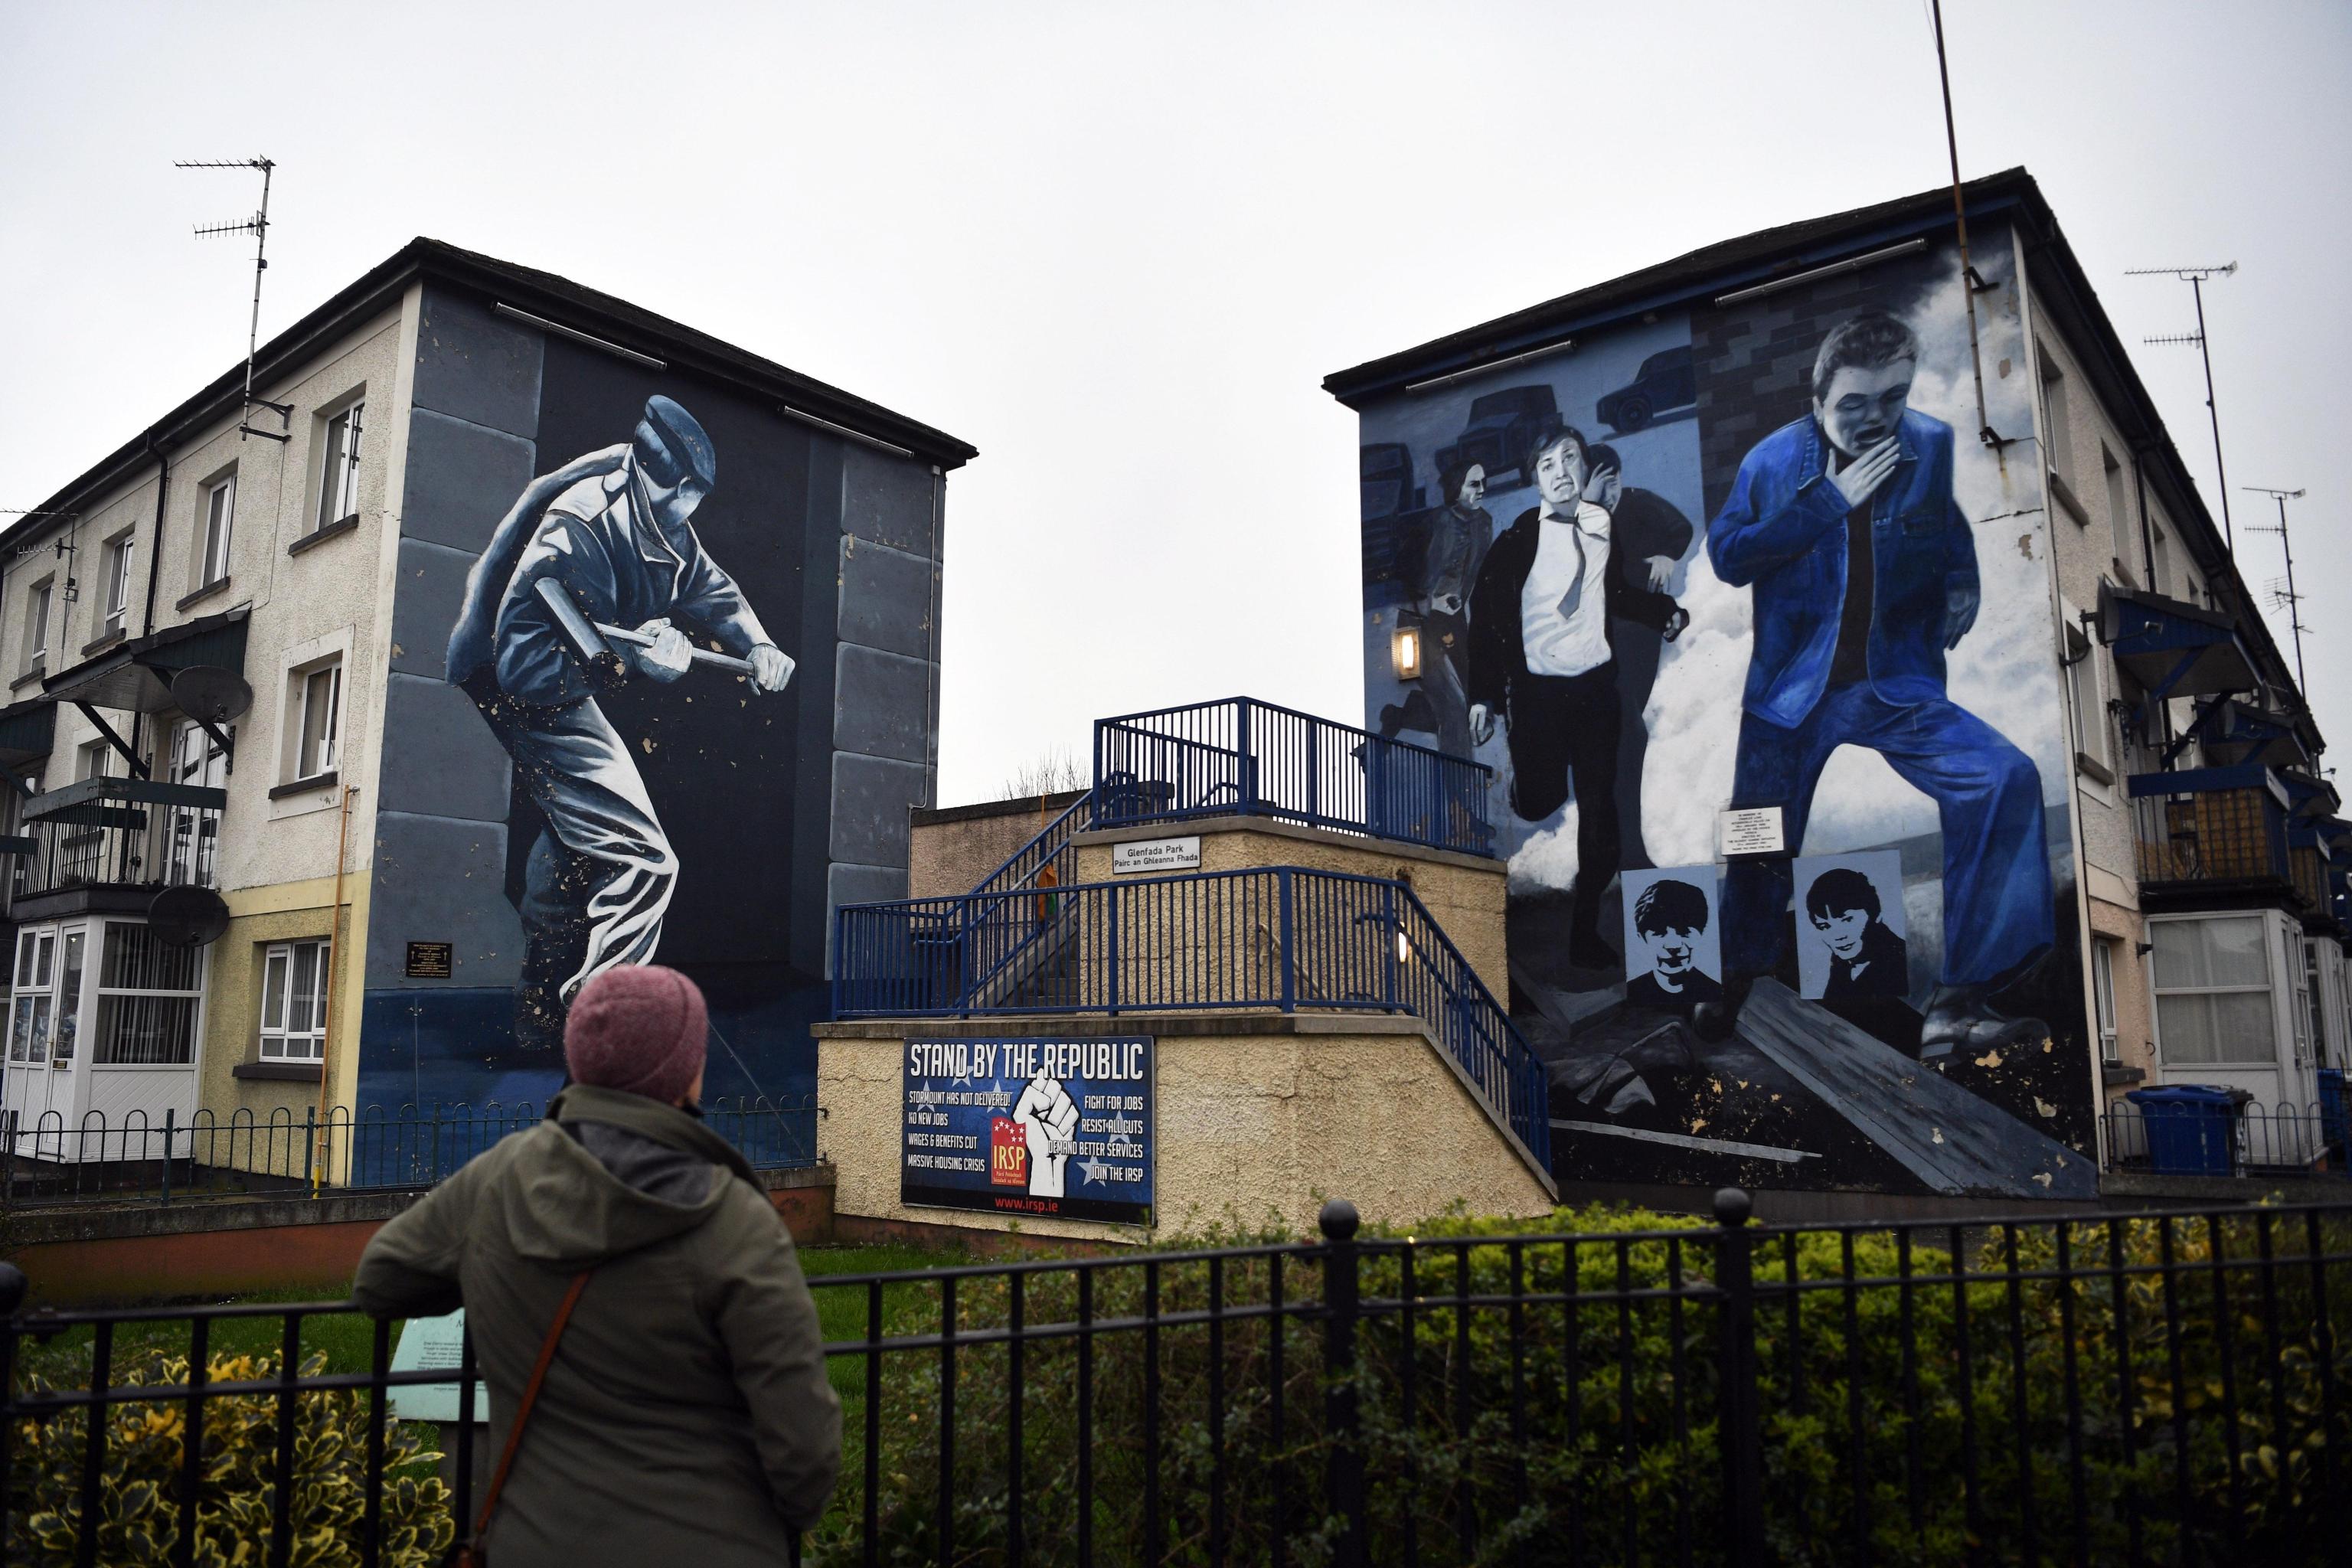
(1047, 859)
(1246, 758)
(1280, 937)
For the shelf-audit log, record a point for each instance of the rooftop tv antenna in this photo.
(257, 225)
(2196, 278)
(1973, 281)
(2285, 596)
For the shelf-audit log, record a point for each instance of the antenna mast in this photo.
(2196, 278)
(2286, 596)
(1972, 282)
(257, 225)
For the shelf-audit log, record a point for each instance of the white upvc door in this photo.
(48, 1004)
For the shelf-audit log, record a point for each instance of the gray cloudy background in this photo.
(1117, 247)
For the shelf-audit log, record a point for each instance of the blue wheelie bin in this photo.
(2192, 1128)
(2334, 1111)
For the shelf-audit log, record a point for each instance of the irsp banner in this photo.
(1030, 1127)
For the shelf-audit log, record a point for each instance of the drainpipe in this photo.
(155, 561)
(335, 966)
(935, 594)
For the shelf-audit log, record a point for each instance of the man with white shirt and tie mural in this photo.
(1541, 660)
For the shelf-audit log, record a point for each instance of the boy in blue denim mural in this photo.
(1864, 576)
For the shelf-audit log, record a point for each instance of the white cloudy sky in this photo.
(1116, 248)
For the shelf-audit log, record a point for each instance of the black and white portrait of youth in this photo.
(581, 589)
(1543, 615)
(1673, 959)
(1852, 934)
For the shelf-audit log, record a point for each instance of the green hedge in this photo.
(138, 1523)
(1622, 1462)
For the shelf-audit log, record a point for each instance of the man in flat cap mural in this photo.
(604, 542)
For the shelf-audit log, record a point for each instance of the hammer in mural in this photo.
(574, 594)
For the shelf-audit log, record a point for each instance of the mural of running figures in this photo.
(1753, 559)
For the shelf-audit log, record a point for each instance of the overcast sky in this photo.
(1116, 248)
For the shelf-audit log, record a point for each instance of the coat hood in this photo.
(561, 1203)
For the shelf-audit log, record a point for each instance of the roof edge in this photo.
(1677, 281)
(557, 298)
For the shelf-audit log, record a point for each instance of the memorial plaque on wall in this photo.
(431, 960)
(1032, 1127)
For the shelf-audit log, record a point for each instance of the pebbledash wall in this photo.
(772, 807)
(1943, 814)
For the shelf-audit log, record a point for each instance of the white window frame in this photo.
(215, 530)
(40, 603)
(316, 756)
(32, 998)
(118, 582)
(2059, 459)
(2103, 997)
(341, 437)
(2111, 476)
(2087, 702)
(192, 848)
(193, 994)
(280, 962)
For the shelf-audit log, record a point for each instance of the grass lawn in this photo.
(348, 1339)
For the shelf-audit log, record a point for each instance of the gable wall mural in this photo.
(662, 688)
(1754, 560)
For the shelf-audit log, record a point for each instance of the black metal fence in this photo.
(2169, 1388)
(46, 1159)
(2249, 1141)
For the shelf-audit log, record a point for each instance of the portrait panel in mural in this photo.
(591, 581)
(1782, 572)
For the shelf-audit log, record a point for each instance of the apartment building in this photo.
(268, 855)
(2215, 852)
(1869, 689)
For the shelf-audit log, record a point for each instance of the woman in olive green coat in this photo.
(685, 1417)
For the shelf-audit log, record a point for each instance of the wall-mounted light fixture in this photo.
(1404, 649)
(1430, 384)
(1850, 264)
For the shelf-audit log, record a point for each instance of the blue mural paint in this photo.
(1694, 584)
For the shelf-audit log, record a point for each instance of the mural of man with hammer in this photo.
(573, 595)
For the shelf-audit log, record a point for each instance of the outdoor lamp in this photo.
(1404, 647)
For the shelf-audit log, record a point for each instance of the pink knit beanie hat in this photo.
(640, 1028)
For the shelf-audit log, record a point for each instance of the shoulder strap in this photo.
(530, 1397)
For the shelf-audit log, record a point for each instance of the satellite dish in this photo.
(187, 917)
(211, 693)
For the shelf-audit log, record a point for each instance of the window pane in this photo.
(219, 513)
(40, 1030)
(2224, 1026)
(20, 1029)
(2209, 953)
(25, 946)
(322, 696)
(146, 1031)
(68, 997)
(135, 960)
(2103, 982)
(331, 474)
(273, 989)
(301, 1012)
